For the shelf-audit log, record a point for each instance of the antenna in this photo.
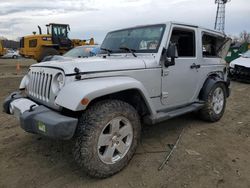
(220, 15)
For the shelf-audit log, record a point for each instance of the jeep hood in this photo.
(95, 64)
(242, 61)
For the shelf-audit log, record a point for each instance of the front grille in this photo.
(40, 85)
(241, 72)
(242, 68)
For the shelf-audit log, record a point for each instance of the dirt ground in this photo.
(208, 155)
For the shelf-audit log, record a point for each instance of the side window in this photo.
(211, 45)
(55, 31)
(33, 43)
(185, 42)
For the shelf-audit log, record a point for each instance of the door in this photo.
(180, 81)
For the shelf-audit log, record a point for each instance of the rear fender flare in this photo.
(209, 83)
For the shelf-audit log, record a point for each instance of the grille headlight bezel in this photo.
(25, 82)
(232, 65)
(58, 82)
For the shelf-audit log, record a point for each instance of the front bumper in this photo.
(39, 119)
(239, 73)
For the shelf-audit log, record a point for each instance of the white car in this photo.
(11, 54)
(240, 67)
(77, 52)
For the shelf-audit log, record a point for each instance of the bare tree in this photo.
(245, 36)
(234, 38)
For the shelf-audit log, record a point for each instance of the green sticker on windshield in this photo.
(41, 126)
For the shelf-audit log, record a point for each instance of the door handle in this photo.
(195, 66)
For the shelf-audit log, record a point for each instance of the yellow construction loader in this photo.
(55, 42)
(2, 49)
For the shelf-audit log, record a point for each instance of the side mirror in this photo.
(171, 53)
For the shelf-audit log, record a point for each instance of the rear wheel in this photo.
(107, 137)
(47, 52)
(215, 103)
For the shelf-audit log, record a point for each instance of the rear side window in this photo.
(211, 45)
(33, 43)
(185, 42)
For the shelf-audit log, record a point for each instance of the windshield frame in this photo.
(137, 51)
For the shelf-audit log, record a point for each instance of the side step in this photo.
(163, 116)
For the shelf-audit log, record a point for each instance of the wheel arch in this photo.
(122, 88)
(134, 97)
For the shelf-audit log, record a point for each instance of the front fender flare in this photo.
(71, 95)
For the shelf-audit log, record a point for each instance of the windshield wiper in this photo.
(107, 50)
(132, 51)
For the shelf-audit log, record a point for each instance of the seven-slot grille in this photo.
(40, 85)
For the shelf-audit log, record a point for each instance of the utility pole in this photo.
(220, 15)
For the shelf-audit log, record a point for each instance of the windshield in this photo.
(246, 54)
(141, 39)
(60, 31)
(80, 52)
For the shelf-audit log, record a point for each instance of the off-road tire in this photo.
(90, 125)
(207, 113)
(46, 52)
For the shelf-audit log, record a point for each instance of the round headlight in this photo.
(231, 70)
(231, 65)
(25, 82)
(58, 82)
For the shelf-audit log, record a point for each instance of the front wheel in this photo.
(107, 137)
(215, 103)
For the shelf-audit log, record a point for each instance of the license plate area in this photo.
(41, 126)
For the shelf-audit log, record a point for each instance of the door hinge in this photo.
(164, 97)
(164, 94)
(164, 72)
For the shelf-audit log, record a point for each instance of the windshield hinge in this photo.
(164, 72)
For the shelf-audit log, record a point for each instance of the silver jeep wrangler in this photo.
(144, 74)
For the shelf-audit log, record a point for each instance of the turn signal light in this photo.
(85, 101)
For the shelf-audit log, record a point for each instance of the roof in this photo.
(195, 26)
(57, 24)
(177, 23)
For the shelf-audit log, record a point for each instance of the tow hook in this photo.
(13, 95)
(31, 107)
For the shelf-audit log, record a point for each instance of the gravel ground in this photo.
(208, 155)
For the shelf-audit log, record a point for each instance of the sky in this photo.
(94, 18)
